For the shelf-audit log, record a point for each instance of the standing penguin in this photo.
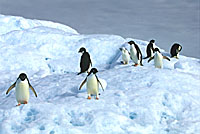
(135, 53)
(85, 62)
(150, 49)
(125, 55)
(22, 85)
(175, 49)
(92, 84)
(158, 59)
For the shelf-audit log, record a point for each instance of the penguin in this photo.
(22, 86)
(92, 84)
(135, 53)
(85, 62)
(125, 55)
(150, 49)
(158, 57)
(175, 50)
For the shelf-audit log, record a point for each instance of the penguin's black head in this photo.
(82, 50)
(22, 76)
(93, 70)
(131, 42)
(157, 50)
(152, 41)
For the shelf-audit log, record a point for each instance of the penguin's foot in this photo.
(18, 104)
(97, 98)
(89, 97)
(135, 65)
(25, 102)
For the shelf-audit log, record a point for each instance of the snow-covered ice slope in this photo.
(137, 100)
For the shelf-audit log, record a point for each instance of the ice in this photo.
(140, 100)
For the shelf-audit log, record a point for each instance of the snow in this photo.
(139, 100)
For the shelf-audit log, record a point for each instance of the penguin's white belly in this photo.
(158, 61)
(151, 52)
(134, 56)
(92, 85)
(125, 57)
(22, 92)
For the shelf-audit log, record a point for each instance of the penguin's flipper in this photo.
(153, 50)
(150, 58)
(82, 83)
(33, 90)
(165, 57)
(10, 88)
(99, 83)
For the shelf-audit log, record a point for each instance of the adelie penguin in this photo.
(158, 57)
(150, 49)
(92, 84)
(22, 86)
(175, 50)
(125, 55)
(85, 62)
(135, 53)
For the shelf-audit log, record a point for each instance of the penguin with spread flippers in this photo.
(175, 50)
(92, 84)
(85, 62)
(125, 55)
(158, 57)
(22, 86)
(150, 49)
(135, 53)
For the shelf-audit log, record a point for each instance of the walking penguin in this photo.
(22, 86)
(158, 59)
(92, 84)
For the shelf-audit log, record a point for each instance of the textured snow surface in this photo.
(136, 100)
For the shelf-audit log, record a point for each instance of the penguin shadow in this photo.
(120, 64)
(73, 92)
